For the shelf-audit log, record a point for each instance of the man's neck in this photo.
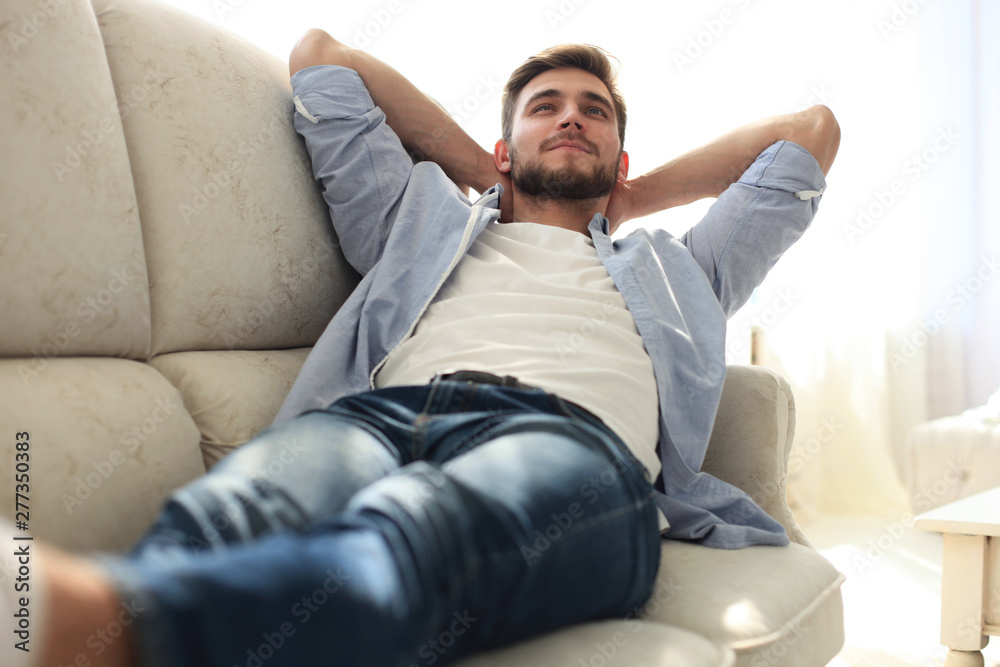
(574, 214)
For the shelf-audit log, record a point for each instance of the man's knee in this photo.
(315, 47)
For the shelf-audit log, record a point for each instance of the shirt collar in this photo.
(599, 224)
(491, 198)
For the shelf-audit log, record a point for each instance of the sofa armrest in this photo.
(752, 438)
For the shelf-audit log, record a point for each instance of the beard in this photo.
(538, 181)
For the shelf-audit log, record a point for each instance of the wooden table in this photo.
(970, 578)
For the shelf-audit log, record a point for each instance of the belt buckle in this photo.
(483, 377)
(512, 382)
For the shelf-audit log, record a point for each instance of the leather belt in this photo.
(481, 377)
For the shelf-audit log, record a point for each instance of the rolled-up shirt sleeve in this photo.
(357, 158)
(755, 221)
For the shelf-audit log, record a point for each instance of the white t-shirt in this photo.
(536, 302)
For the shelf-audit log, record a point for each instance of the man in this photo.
(502, 418)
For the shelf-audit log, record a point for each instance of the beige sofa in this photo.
(166, 261)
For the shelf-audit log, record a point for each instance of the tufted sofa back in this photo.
(166, 258)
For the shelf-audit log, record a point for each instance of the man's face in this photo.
(564, 142)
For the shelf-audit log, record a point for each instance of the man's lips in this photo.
(572, 145)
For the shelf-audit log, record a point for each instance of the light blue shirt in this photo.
(404, 227)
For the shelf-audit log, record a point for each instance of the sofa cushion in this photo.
(109, 439)
(240, 249)
(628, 643)
(71, 251)
(778, 605)
(232, 396)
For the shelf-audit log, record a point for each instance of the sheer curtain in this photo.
(963, 217)
(905, 324)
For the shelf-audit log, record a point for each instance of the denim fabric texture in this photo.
(398, 527)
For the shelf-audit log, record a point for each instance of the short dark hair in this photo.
(592, 59)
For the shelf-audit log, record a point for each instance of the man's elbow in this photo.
(316, 47)
(820, 135)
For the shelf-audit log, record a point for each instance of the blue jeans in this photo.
(405, 526)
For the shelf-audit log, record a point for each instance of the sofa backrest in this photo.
(166, 258)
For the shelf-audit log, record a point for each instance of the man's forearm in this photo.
(425, 129)
(423, 126)
(707, 171)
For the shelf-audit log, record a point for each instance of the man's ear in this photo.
(623, 167)
(501, 156)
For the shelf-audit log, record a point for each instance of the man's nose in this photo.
(572, 118)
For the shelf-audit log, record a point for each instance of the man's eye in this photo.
(540, 107)
(598, 110)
